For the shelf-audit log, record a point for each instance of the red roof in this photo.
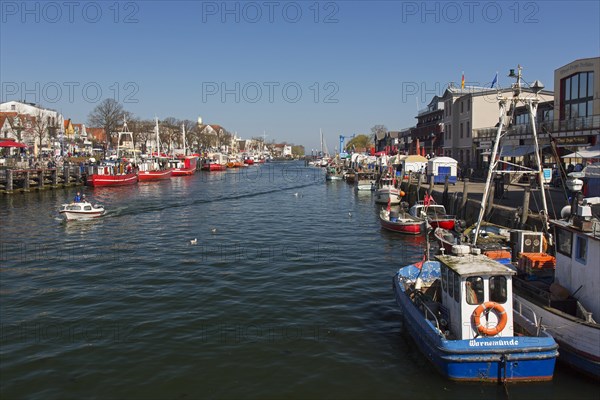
(97, 133)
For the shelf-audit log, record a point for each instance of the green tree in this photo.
(359, 142)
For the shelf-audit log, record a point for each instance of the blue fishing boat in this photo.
(459, 310)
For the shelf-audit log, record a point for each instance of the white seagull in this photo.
(194, 241)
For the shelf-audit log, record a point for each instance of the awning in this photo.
(517, 151)
(588, 152)
(12, 143)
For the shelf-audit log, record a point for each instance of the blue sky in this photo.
(287, 68)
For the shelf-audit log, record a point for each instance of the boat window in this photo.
(581, 249)
(564, 241)
(444, 279)
(450, 283)
(87, 208)
(456, 287)
(474, 290)
(498, 289)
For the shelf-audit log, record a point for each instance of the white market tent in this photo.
(588, 152)
(413, 163)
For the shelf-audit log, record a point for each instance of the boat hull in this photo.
(446, 239)
(183, 171)
(213, 167)
(447, 223)
(145, 176)
(579, 341)
(485, 359)
(98, 180)
(387, 196)
(81, 211)
(406, 226)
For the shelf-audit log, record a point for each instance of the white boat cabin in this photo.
(77, 207)
(176, 163)
(476, 292)
(577, 255)
(420, 210)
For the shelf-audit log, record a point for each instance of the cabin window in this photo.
(564, 241)
(456, 287)
(474, 290)
(450, 284)
(444, 279)
(498, 289)
(88, 208)
(581, 249)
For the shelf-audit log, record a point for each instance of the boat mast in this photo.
(531, 104)
(157, 138)
(492, 167)
(183, 133)
(321, 132)
(121, 134)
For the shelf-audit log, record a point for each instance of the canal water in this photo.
(286, 294)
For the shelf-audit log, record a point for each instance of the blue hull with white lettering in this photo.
(484, 359)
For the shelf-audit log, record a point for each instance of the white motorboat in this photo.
(81, 210)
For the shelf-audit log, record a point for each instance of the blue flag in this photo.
(495, 80)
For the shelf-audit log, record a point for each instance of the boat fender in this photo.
(500, 312)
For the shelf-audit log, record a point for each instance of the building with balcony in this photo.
(469, 118)
(577, 103)
(429, 132)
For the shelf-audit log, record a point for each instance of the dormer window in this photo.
(12, 107)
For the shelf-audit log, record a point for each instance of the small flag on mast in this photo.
(495, 80)
(462, 82)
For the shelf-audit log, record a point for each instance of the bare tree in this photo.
(108, 115)
(39, 127)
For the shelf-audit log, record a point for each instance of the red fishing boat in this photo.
(184, 166)
(106, 177)
(154, 175)
(435, 214)
(214, 162)
(118, 172)
(154, 168)
(401, 222)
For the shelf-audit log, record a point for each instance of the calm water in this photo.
(287, 294)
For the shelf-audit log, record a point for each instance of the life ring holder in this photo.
(500, 312)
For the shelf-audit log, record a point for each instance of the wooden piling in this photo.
(54, 177)
(445, 195)
(419, 176)
(465, 195)
(40, 179)
(525, 212)
(66, 175)
(9, 181)
(431, 184)
(26, 182)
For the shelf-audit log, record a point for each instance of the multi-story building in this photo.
(470, 115)
(429, 131)
(577, 103)
(48, 123)
(572, 116)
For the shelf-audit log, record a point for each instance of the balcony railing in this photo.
(568, 125)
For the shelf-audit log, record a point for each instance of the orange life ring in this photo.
(500, 312)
